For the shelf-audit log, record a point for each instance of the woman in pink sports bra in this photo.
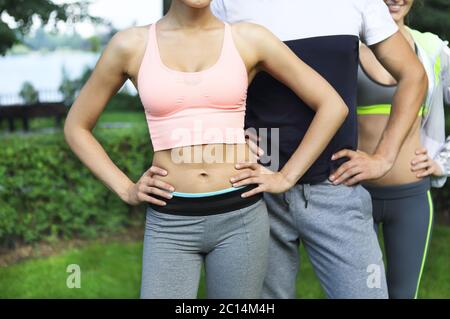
(192, 72)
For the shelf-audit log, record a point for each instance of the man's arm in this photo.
(396, 56)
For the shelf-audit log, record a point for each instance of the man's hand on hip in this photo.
(360, 167)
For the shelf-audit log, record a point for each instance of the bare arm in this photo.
(396, 56)
(274, 57)
(109, 75)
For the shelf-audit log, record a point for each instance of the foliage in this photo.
(50, 41)
(432, 16)
(95, 43)
(24, 13)
(47, 193)
(28, 93)
(122, 101)
(42, 39)
(70, 88)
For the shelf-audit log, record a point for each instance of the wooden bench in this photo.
(26, 112)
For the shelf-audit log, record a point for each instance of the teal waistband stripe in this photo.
(197, 195)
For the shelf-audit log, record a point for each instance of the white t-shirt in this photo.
(299, 19)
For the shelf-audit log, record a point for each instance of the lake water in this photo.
(43, 70)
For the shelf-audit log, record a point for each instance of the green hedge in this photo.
(46, 193)
(125, 102)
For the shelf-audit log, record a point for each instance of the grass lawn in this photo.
(113, 271)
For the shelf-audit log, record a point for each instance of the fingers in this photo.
(337, 176)
(155, 171)
(241, 176)
(420, 166)
(247, 181)
(428, 172)
(252, 141)
(148, 179)
(348, 174)
(252, 136)
(252, 166)
(355, 180)
(344, 153)
(253, 192)
(149, 185)
(421, 151)
(154, 191)
(420, 158)
(161, 185)
(145, 198)
(255, 149)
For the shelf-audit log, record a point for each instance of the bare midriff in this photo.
(371, 128)
(201, 168)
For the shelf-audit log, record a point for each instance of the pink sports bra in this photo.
(193, 108)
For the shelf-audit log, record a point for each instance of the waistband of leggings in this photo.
(208, 205)
(400, 191)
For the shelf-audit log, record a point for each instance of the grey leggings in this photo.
(406, 214)
(233, 247)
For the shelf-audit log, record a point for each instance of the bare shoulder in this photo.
(252, 32)
(128, 42)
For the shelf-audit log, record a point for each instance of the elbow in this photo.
(68, 128)
(417, 77)
(343, 111)
(71, 131)
(335, 110)
(68, 132)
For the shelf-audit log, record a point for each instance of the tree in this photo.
(29, 94)
(23, 12)
(70, 88)
(432, 16)
(95, 43)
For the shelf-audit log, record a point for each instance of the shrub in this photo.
(28, 93)
(47, 193)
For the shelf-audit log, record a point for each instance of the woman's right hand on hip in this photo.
(147, 186)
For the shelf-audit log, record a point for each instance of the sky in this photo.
(122, 13)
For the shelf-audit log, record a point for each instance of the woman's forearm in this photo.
(91, 153)
(324, 126)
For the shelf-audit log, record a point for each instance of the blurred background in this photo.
(53, 212)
